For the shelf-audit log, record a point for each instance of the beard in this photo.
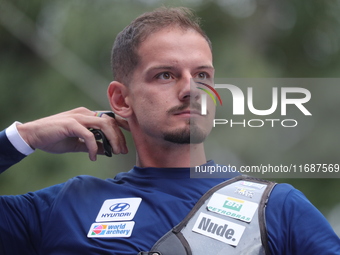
(191, 134)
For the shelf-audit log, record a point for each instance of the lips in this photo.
(187, 109)
(188, 112)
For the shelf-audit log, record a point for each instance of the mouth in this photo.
(186, 110)
(188, 113)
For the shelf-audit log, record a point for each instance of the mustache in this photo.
(192, 105)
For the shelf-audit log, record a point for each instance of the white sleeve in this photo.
(17, 141)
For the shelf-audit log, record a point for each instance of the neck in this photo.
(170, 155)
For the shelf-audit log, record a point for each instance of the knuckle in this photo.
(71, 123)
(80, 109)
(88, 136)
(109, 121)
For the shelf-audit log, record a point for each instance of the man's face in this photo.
(162, 93)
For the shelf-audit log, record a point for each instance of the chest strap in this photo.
(228, 219)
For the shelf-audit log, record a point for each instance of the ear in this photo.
(118, 98)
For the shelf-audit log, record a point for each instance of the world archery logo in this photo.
(111, 229)
(99, 230)
(204, 98)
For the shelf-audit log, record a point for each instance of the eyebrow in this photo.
(160, 67)
(165, 67)
(206, 67)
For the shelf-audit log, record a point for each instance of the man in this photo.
(154, 62)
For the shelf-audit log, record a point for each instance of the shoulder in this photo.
(283, 194)
(47, 196)
(287, 201)
(295, 226)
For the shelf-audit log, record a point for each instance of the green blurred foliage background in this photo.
(55, 56)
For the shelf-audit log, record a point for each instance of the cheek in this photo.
(145, 109)
(149, 103)
(148, 100)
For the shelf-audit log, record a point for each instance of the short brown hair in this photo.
(125, 58)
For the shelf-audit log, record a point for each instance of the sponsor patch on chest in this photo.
(232, 207)
(121, 209)
(111, 229)
(216, 228)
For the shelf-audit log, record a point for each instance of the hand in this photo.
(68, 132)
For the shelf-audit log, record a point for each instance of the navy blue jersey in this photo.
(129, 213)
(8, 154)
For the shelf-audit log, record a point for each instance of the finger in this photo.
(100, 150)
(87, 138)
(122, 122)
(81, 147)
(121, 140)
(115, 137)
(79, 110)
(110, 127)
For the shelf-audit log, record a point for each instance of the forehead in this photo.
(175, 46)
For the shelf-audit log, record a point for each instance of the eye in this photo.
(164, 76)
(202, 76)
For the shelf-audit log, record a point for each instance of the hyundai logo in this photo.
(119, 207)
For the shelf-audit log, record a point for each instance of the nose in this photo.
(188, 89)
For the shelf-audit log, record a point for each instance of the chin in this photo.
(188, 135)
